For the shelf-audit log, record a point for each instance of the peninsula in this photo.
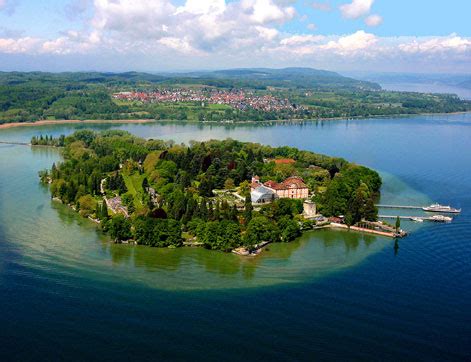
(223, 195)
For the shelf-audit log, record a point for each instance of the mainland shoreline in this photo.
(143, 121)
(73, 121)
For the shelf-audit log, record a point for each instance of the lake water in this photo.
(463, 93)
(67, 293)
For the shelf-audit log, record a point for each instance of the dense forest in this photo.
(29, 97)
(162, 194)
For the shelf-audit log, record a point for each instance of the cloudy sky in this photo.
(169, 35)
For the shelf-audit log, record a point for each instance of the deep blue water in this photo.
(63, 297)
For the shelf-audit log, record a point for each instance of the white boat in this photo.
(441, 218)
(441, 208)
(417, 219)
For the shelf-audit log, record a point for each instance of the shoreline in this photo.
(73, 121)
(144, 121)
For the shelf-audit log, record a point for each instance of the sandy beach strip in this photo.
(72, 121)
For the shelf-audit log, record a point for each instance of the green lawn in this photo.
(134, 185)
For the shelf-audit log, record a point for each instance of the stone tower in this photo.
(309, 209)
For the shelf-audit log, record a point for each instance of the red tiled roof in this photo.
(271, 184)
(284, 161)
(293, 182)
(254, 185)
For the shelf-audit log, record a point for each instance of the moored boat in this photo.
(441, 208)
(441, 218)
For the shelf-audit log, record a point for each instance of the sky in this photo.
(419, 36)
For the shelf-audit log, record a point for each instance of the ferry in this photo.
(441, 208)
(441, 218)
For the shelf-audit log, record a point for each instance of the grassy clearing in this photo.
(134, 185)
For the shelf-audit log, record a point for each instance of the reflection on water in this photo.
(314, 254)
(396, 247)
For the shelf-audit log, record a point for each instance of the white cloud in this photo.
(131, 17)
(267, 11)
(223, 33)
(374, 20)
(19, 45)
(302, 39)
(267, 33)
(72, 42)
(199, 7)
(202, 27)
(351, 43)
(356, 9)
(450, 44)
(181, 45)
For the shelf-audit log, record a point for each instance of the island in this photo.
(222, 195)
(236, 95)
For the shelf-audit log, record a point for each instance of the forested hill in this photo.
(78, 79)
(301, 78)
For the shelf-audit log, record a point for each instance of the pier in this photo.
(400, 207)
(15, 143)
(425, 218)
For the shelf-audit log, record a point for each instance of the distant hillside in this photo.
(18, 78)
(466, 84)
(293, 78)
(301, 78)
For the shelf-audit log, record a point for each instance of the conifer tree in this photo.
(217, 211)
(104, 211)
(233, 213)
(398, 224)
(145, 184)
(248, 209)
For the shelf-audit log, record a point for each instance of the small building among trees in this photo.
(262, 195)
(309, 209)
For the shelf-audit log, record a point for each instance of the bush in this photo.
(87, 205)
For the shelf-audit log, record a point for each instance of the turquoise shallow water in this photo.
(65, 292)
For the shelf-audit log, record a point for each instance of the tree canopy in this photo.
(161, 194)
